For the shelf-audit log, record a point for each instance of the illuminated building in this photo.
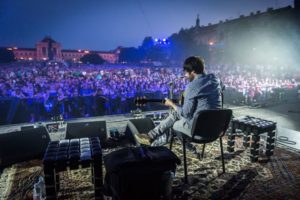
(49, 49)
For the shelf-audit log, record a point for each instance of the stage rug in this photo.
(277, 178)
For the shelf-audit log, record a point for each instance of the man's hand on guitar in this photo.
(170, 103)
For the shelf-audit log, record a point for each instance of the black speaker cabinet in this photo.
(134, 126)
(87, 129)
(23, 145)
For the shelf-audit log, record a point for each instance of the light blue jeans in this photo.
(174, 121)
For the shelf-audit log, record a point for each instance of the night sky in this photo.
(107, 24)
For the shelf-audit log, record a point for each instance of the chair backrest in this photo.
(209, 125)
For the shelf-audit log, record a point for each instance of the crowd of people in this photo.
(42, 91)
(252, 84)
(81, 91)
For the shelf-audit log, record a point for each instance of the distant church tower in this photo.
(198, 21)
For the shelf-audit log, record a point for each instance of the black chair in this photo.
(208, 126)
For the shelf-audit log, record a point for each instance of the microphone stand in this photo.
(222, 94)
(170, 133)
(171, 90)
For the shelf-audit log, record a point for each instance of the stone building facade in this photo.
(49, 49)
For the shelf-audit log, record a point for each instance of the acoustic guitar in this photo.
(142, 101)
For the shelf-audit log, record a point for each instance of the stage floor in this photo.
(277, 178)
(287, 117)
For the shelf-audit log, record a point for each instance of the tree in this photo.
(157, 53)
(147, 44)
(6, 56)
(183, 44)
(130, 54)
(92, 58)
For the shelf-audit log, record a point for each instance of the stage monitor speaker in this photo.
(87, 129)
(23, 145)
(134, 126)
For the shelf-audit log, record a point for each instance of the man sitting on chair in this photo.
(203, 92)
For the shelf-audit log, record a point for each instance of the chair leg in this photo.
(203, 148)
(184, 159)
(222, 155)
(171, 141)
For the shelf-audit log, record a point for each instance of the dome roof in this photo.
(48, 39)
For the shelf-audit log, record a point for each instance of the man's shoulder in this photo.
(203, 83)
(210, 76)
(202, 79)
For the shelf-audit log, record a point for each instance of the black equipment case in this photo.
(136, 173)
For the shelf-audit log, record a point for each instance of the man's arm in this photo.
(186, 110)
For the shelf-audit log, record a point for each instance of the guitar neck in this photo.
(161, 100)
